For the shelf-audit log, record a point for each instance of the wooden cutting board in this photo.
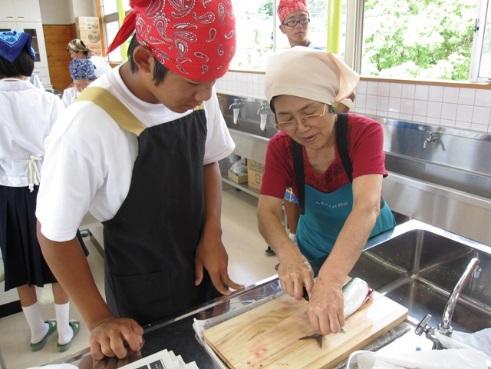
(268, 336)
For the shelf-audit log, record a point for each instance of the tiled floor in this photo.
(247, 265)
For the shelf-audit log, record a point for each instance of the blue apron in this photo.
(324, 216)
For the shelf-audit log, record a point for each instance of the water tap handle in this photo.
(263, 109)
(236, 104)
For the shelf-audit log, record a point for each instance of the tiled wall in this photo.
(459, 107)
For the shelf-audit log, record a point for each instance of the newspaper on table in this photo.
(161, 360)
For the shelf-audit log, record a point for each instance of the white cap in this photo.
(311, 74)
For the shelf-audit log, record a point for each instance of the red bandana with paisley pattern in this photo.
(286, 7)
(193, 38)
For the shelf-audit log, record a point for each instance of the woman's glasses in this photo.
(307, 120)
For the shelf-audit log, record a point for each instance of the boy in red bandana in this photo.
(294, 18)
(139, 150)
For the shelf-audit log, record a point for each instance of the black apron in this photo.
(151, 242)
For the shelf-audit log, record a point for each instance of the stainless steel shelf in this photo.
(243, 187)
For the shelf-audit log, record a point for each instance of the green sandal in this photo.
(75, 324)
(51, 328)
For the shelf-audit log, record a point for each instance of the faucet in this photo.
(235, 107)
(433, 137)
(429, 331)
(471, 271)
(263, 112)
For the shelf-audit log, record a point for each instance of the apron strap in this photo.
(115, 108)
(297, 152)
(342, 143)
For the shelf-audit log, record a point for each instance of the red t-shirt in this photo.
(365, 149)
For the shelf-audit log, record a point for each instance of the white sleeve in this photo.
(219, 143)
(69, 182)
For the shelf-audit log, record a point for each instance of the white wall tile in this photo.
(480, 127)
(483, 98)
(447, 122)
(433, 121)
(464, 113)
(466, 96)
(395, 90)
(394, 104)
(451, 95)
(449, 111)
(435, 93)
(407, 117)
(420, 107)
(408, 91)
(382, 105)
(371, 102)
(360, 101)
(362, 87)
(480, 115)
(383, 89)
(434, 109)
(463, 125)
(420, 118)
(407, 106)
(372, 88)
(421, 92)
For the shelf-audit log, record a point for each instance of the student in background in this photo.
(78, 50)
(28, 114)
(82, 73)
(294, 21)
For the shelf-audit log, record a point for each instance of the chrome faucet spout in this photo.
(445, 326)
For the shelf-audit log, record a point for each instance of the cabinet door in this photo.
(7, 10)
(38, 43)
(8, 26)
(27, 10)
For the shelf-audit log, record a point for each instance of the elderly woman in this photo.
(335, 165)
(79, 51)
(82, 73)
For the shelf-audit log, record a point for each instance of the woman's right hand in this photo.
(295, 273)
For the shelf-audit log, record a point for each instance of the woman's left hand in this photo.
(326, 305)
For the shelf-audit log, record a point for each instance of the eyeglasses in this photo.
(293, 22)
(307, 120)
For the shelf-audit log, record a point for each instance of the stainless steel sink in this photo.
(418, 265)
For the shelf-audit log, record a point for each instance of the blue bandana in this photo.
(12, 43)
(81, 69)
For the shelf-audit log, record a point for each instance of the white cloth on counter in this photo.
(480, 340)
(431, 359)
(89, 160)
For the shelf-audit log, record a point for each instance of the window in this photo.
(429, 39)
(481, 61)
(258, 33)
(111, 30)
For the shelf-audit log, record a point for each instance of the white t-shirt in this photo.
(27, 114)
(70, 95)
(89, 159)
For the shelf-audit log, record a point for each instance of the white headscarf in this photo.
(311, 74)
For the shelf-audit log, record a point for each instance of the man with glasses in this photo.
(294, 18)
(335, 165)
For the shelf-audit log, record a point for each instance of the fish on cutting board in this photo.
(356, 293)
